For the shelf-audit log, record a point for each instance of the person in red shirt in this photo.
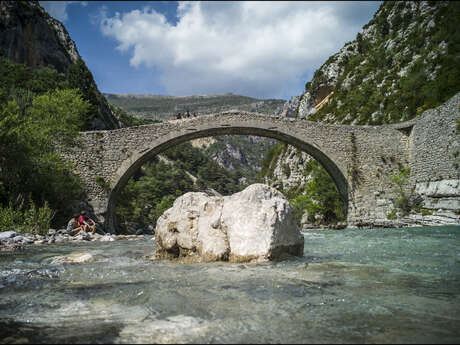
(73, 227)
(86, 222)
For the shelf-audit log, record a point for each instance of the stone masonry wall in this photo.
(435, 162)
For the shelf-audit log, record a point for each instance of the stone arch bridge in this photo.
(360, 159)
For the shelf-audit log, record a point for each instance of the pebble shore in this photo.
(12, 240)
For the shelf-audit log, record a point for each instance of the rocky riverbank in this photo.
(12, 240)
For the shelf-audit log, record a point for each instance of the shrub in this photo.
(320, 198)
(38, 220)
(403, 200)
(426, 212)
(10, 218)
(103, 183)
(29, 220)
(392, 214)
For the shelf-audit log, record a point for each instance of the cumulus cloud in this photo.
(254, 48)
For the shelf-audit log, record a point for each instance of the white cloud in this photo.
(252, 48)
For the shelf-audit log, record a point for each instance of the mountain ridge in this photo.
(161, 107)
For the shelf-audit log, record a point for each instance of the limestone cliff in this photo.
(285, 171)
(29, 35)
(404, 61)
(289, 109)
(242, 153)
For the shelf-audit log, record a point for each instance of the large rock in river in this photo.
(253, 225)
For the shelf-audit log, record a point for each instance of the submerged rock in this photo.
(106, 238)
(253, 225)
(11, 247)
(73, 258)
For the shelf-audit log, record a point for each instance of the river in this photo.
(351, 286)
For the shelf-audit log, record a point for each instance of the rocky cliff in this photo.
(240, 153)
(29, 35)
(403, 62)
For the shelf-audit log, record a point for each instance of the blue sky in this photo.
(265, 50)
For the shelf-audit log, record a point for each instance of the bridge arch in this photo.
(358, 158)
(160, 144)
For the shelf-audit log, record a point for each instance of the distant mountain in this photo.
(158, 107)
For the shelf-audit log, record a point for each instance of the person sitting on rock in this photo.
(85, 221)
(73, 226)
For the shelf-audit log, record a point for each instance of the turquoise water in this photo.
(351, 286)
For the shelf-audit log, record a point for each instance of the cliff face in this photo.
(403, 62)
(286, 170)
(289, 109)
(240, 153)
(29, 35)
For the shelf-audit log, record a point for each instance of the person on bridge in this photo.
(85, 221)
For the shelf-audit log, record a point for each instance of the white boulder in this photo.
(255, 224)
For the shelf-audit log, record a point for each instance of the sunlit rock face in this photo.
(256, 224)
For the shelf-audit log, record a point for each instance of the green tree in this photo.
(30, 168)
(320, 200)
